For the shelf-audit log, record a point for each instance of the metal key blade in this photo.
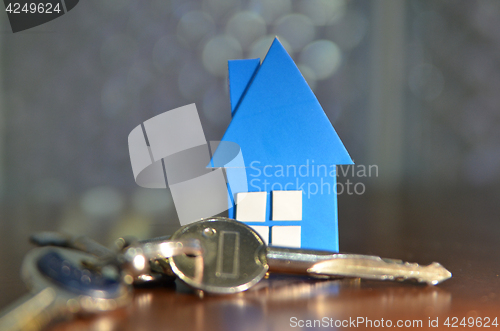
(30, 312)
(374, 267)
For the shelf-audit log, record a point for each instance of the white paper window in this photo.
(287, 205)
(288, 236)
(251, 206)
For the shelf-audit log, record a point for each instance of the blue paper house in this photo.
(290, 152)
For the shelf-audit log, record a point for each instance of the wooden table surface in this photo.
(459, 230)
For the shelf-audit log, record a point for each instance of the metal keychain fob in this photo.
(234, 258)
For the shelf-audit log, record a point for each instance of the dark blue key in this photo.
(61, 287)
(74, 278)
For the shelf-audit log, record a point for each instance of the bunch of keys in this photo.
(220, 255)
(214, 255)
(60, 287)
(83, 277)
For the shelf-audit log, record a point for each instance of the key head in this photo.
(79, 288)
(233, 259)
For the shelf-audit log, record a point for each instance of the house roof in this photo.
(241, 73)
(277, 119)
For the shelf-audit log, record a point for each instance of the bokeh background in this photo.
(410, 86)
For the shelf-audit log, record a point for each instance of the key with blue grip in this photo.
(61, 287)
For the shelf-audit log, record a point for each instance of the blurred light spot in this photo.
(481, 166)
(166, 249)
(151, 202)
(128, 279)
(260, 47)
(323, 12)
(217, 51)
(353, 88)
(118, 50)
(161, 7)
(139, 76)
(219, 8)
(116, 98)
(477, 119)
(271, 10)
(144, 300)
(426, 81)
(323, 57)
(192, 80)
(102, 201)
(215, 106)
(139, 263)
(50, 191)
(309, 75)
(167, 53)
(103, 322)
(146, 33)
(297, 29)
(433, 25)
(415, 51)
(131, 224)
(194, 26)
(113, 5)
(349, 31)
(246, 26)
(478, 68)
(135, 25)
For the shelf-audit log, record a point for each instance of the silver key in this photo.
(320, 263)
(60, 287)
(235, 258)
